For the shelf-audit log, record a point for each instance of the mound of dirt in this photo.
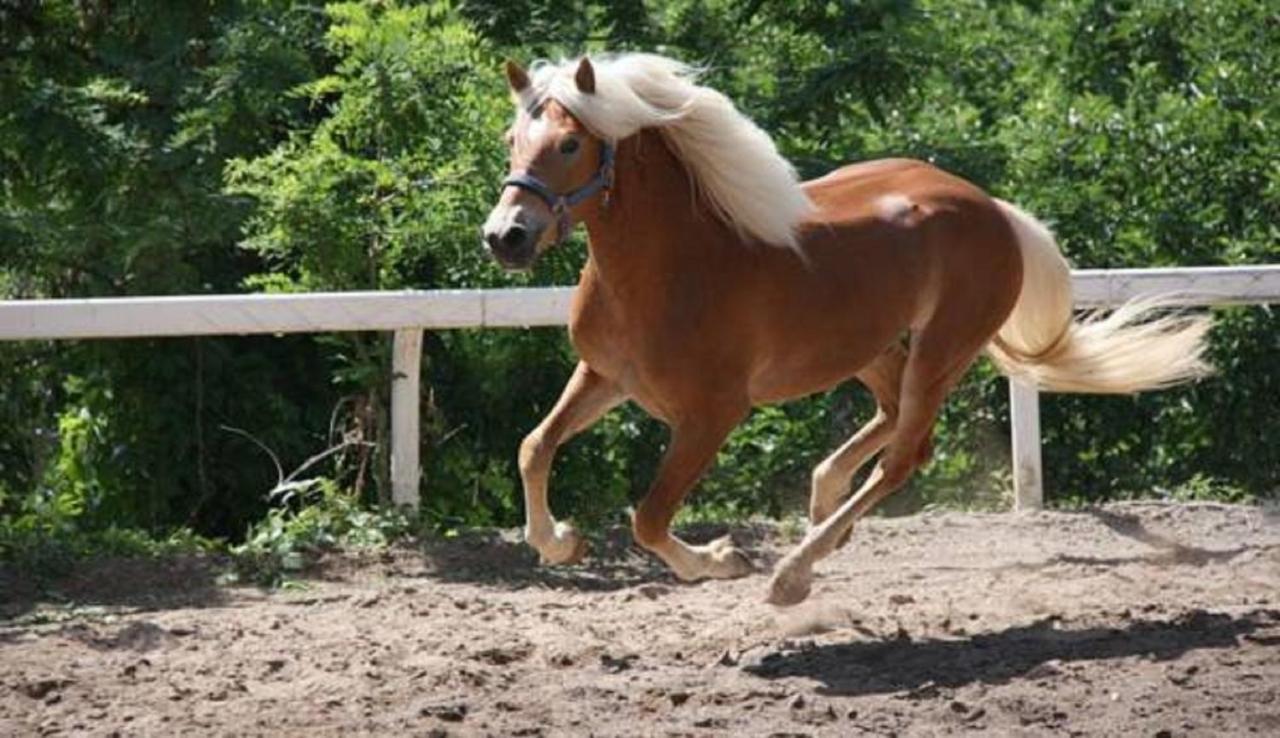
(1159, 619)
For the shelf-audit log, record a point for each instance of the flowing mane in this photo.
(733, 163)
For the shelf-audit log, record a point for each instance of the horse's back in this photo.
(904, 191)
(955, 224)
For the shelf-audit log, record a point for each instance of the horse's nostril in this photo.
(514, 236)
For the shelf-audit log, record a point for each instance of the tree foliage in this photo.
(167, 148)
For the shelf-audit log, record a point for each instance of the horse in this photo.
(716, 281)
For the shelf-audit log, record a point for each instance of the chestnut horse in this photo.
(716, 281)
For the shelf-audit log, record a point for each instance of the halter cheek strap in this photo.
(560, 203)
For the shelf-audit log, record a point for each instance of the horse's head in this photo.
(556, 166)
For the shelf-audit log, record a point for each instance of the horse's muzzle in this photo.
(514, 247)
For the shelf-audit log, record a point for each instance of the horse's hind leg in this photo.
(586, 397)
(938, 358)
(694, 443)
(883, 377)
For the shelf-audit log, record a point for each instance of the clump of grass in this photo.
(1199, 488)
(48, 549)
(291, 537)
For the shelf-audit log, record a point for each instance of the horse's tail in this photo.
(1138, 346)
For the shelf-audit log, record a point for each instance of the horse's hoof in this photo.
(580, 549)
(727, 562)
(843, 540)
(720, 544)
(567, 547)
(734, 563)
(575, 556)
(789, 586)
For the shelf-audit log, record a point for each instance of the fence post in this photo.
(1024, 414)
(406, 368)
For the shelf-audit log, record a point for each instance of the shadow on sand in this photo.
(114, 584)
(502, 559)
(1165, 551)
(1038, 650)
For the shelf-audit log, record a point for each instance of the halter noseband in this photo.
(560, 203)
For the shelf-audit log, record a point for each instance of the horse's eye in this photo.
(568, 146)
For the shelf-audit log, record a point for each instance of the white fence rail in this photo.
(409, 313)
(316, 312)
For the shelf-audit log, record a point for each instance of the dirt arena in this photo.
(1139, 619)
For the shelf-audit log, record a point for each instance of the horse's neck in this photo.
(653, 236)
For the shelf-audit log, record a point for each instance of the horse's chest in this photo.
(605, 342)
(628, 352)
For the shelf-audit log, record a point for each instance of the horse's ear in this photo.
(585, 77)
(516, 77)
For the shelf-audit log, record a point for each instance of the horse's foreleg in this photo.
(883, 377)
(693, 447)
(585, 399)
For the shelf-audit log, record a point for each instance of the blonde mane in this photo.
(734, 164)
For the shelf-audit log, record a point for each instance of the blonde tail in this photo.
(1131, 349)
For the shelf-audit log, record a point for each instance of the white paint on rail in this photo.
(320, 312)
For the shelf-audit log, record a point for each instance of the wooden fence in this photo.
(409, 313)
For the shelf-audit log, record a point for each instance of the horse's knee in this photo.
(821, 473)
(533, 449)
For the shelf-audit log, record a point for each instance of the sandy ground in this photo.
(1133, 619)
